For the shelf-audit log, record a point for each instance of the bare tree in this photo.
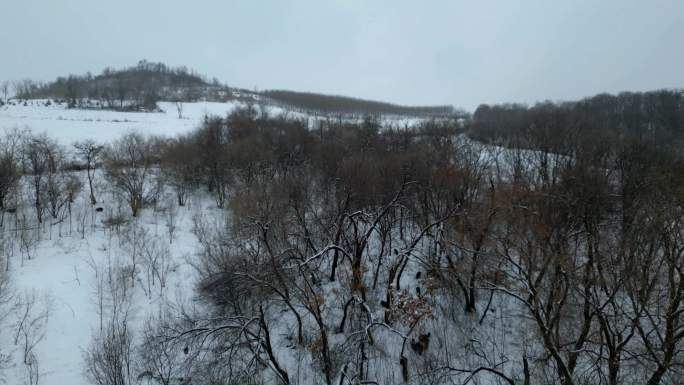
(163, 263)
(180, 166)
(213, 140)
(33, 318)
(29, 236)
(171, 220)
(110, 357)
(33, 370)
(162, 358)
(156, 260)
(128, 166)
(72, 187)
(10, 158)
(4, 88)
(89, 152)
(31, 325)
(7, 308)
(122, 90)
(72, 91)
(135, 240)
(36, 162)
(99, 286)
(179, 108)
(58, 193)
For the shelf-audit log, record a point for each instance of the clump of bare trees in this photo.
(89, 153)
(110, 359)
(5, 88)
(180, 164)
(10, 169)
(33, 315)
(129, 166)
(36, 167)
(7, 308)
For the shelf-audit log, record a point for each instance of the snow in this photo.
(60, 270)
(69, 125)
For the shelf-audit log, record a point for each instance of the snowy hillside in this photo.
(60, 269)
(69, 125)
(259, 251)
(55, 265)
(56, 269)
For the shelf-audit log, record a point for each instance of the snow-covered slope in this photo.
(69, 125)
(59, 275)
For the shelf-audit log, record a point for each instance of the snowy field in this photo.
(69, 125)
(61, 276)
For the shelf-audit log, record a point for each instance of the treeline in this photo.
(332, 104)
(656, 116)
(133, 88)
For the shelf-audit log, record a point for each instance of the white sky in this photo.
(410, 52)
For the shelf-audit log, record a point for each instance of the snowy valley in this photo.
(242, 243)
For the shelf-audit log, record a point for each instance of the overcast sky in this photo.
(410, 52)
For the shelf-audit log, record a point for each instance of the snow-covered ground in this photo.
(69, 125)
(60, 275)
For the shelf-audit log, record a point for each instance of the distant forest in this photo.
(656, 116)
(333, 104)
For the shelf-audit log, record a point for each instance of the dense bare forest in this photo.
(656, 116)
(417, 255)
(357, 253)
(523, 245)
